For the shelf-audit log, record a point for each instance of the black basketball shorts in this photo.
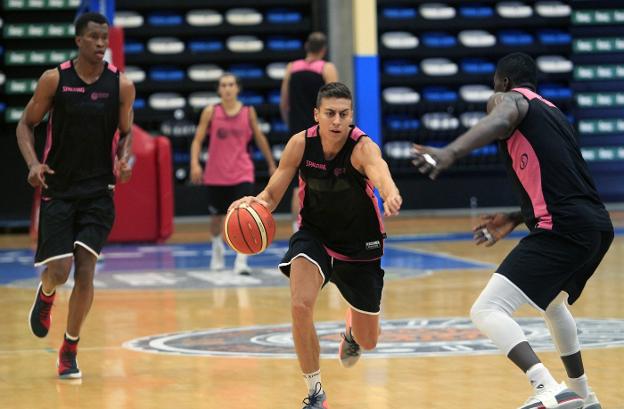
(221, 197)
(67, 223)
(544, 263)
(359, 282)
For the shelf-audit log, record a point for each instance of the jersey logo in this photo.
(372, 245)
(99, 95)
(310, 164)
(339, 171)
(73, 89)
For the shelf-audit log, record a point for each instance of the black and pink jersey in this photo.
(306, 78)
(337, 202)
(544, 161)
(81, 133)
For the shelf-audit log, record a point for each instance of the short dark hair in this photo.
(333, 90)
(83, 20)
(316, 42)
(520, 68)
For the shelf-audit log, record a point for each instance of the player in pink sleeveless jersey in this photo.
(301, 83)
(231, 128)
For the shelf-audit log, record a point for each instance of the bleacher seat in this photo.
(552, 9)
(205, 45)
(514, 9)
(438, 40)
(244, 71)
(555, 91)
(139, 103)
(279, 43)
(2, 78)
(553, 64)
(202, 99)
(475, 92)
(554, 37)
(276, 151)
(274, 97)
(280, 126)
(128, 19)
(440, 121)
(400, 95)
(276, 70)
(251, 98)
(398, 149)
(515, 38)
(204, 18)
(243, 17)
(244, 44)
(283, 16)
(476, 11)
(399, 40)
(477, 66)
(133, 47)
(204, 72)
(164, 19)
(400, 68)
(165, 45)
(438, 67)
(476, 38)
(436, 11)
(399, 13)
(439, 94)
(469, 119)
(166, 74)
(166, 101)
(402, 122)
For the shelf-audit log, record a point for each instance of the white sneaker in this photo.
(591, 402)
(240, 265)
(557, 397)
(217, 261)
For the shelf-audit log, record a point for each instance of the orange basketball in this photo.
(249, 229)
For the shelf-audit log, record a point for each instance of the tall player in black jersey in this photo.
(341, 234)
(570, 229)
(87, 100)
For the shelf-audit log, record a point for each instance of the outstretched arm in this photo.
(505, 112)
(36, 109)
(366, 158)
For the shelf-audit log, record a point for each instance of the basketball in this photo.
(249, 229)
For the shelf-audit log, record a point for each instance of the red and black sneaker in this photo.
(39, 318)
(67, 363)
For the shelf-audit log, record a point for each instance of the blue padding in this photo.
(367, 89)
(251, 98)
(402, 122)
(247, 71)
(399, 13)
(1, 50)
(555, 91)
(439, 94)
(166, 74)
(2, 106)
(477, 66)
(274, 97)
(439, 40)
(486, 150)
(133, 47)
(205, 46)
(476, 11)
(283, 16)
(278, 126)
(139, 103)
(400, 68)
(164, 19)
(554, 37)
(284, 43)
(515, 37)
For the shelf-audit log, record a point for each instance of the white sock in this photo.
(71, 337)
(311, 379)
(579, 386)
(46, 294)
(538, 374)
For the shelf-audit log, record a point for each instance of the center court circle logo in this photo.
(400, 338)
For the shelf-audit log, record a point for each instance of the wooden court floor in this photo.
(115, 377)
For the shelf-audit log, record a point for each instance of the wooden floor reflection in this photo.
(118, 378)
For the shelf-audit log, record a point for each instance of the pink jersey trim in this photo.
(48, 143)
(66, 65)
(356, 133)
(312, 131)
(342, 257)
(113, 68)
(303, 65)
(301, 195)
(530, 95)
(526, 165)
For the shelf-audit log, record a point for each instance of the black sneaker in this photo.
(67, 363)
(40, 313)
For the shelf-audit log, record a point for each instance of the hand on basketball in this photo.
(196, 174)
(392, 204)
(36, 175)
(431, 161)
(247, 200)
(493, 228)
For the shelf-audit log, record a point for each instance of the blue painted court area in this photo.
(186, 265)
